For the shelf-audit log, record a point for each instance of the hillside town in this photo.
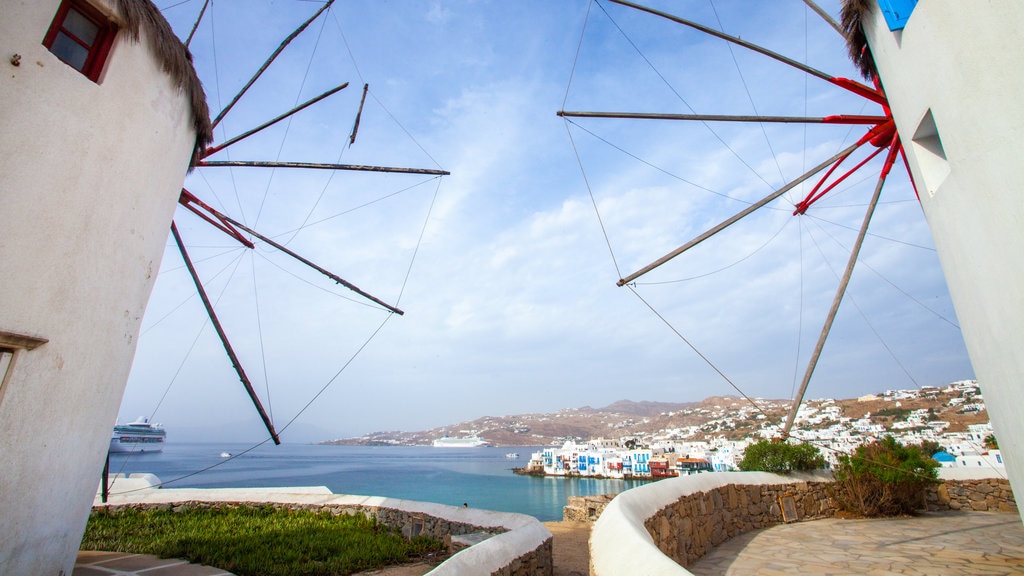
(824, 423)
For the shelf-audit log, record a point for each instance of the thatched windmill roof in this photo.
(853, 15)
(143, 18)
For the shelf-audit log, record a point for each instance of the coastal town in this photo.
(655, 440)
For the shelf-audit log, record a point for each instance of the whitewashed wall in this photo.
(957, 70)
(89, 177)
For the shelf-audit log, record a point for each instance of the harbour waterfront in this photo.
(479, 477)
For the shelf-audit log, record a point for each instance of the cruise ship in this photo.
(463, 442)
(138, 436)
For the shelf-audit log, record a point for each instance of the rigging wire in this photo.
(936, 313)
(359, 301)
(772, 238)
(364, 204)
(593, 200)
(576, 57)
(853, 300)
(680, 97)
(191, 295)
(750, 97)
(665, 171)
(259, 335)
(374, 95)
(283, 428)
(181, 365)
(419, 242)
(288, 124)
(697, 352)
(879, 236)
(800, 313)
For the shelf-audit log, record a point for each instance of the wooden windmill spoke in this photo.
(269, 61)
(319, 269)
(825, 16)
(214, 149)
(894, 149)
(847, 84)
(223, 336)
(737, 217)
(231, 227)
(320, 166)
(834, 119)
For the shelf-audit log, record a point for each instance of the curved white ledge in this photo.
(619, 541)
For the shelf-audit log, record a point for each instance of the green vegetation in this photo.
(781, 457)
(883, 478)
(991, 443)
(256, 541)
(894, 413)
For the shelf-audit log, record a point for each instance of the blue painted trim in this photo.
(897, 12)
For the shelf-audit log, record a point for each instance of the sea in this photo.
(478, 477)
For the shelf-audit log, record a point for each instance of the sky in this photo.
(506, 269)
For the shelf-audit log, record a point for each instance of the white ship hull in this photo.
(468, 442)
(138, 436)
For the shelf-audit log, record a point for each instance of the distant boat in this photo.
(463, 442)
(512, 455)
(225, 454)
(138, 436)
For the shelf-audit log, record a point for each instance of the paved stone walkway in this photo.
(91, 563)
(975, 543)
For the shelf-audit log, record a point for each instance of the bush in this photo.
(781, 457)
(883, 478)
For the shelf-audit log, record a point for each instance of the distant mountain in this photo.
(646, 408)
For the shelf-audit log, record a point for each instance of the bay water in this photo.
(479, 477)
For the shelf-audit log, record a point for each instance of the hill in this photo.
(952, 409)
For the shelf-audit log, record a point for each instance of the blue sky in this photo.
(507, 269)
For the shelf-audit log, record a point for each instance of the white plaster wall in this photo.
(963, 61)
(89, 177)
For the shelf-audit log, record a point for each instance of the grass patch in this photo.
(257, 540)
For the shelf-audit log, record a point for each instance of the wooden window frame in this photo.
(100, 47)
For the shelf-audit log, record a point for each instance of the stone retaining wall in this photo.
(690, 527)
(686, 518)
(982, 495)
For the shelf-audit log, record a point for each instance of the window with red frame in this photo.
(81, 36)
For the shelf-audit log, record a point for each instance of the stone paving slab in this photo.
(974, 543)
(91, 563)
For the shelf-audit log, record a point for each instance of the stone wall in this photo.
(716, 510)
(690, 527)
(585, 508)
(982, 495)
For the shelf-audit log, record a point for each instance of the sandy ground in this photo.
(570, 544)
(571, 547)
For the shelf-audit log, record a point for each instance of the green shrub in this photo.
(781, 457)
(883, 478)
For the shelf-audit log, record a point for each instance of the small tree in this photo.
(930, 447)
(883, 478)
(781, 457)
(991, 443)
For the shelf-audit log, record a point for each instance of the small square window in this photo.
(81, 36)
